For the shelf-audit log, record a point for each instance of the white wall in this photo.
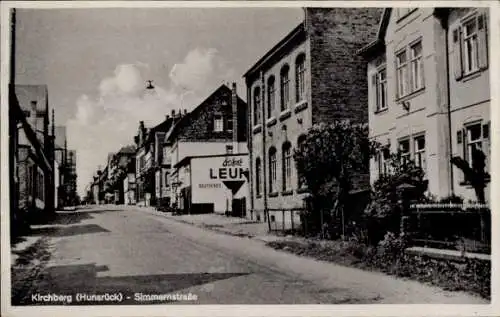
(207, 176)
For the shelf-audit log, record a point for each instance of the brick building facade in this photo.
(217, 126)
(313, 75)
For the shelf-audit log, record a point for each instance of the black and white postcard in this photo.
(249, 158)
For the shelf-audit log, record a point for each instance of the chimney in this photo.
(167, 117)
(234, 104)
(185, 111)
(33, 115)
(141, 124)
(173, 113)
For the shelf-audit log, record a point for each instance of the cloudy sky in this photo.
(96, 61)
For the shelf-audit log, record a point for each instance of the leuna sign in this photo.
(232, 174)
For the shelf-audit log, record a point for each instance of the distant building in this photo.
(150, 167)
(216, 127)
(311, 76)
(429, 92)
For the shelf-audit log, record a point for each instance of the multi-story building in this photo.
(429, 92)
(313, 75)
(216, 127)
(33, 151)
(119, 166)
(150, 166)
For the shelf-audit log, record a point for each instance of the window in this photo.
(301, 182)
(272, 170)
(404, 150)
(271, 89)
(218, 123)
(256, 105)
(474, 141)
(258, 173)
(410, 70)
(229, 123)
(470, 47)
(300, 78)
(166, 180)
(380, 87)
(401, 65)
(416, 69)
(383, 161)
(285, 87)
(287, 166)
(229, 149)
(419, 146)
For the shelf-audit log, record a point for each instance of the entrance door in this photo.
(239, 207)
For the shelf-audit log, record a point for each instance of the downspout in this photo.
(444, 23)
(264, 149)
(251, 179)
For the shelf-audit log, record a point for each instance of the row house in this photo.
(311, 76)
(151, 168)
(32, 151)
(429, 92)
(197, 146)
(119, 166)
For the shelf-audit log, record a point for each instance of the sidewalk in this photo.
(235, 226)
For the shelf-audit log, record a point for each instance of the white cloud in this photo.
(109, 121)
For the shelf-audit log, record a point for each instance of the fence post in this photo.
(283, 219)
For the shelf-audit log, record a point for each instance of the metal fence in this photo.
(464, 227)
(284, 220)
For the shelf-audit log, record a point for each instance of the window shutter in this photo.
(422, 73)
(457, 53)
(464, 144)
(374, 92)
(482, 41)
(486, 131)
(459, 137)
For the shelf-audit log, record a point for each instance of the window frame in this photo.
(469, 142)
(258, 177)
(405, 156)
(420, 153)
(406, 80)
(383, 161)
(273, 153)
(381, 87)
(285, 87)
(465, 38)
(401, 80)
(218, 122)
(271, 96)
(256, 105)
(286, 154)
(300, 78)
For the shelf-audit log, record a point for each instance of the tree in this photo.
(384, 211)
(328, 159)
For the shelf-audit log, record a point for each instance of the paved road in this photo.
(133, 251)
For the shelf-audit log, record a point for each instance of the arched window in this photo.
(287, 166)
(258, 177)
(271, 96)
(300, 85)
(272, 170)
(166, 179)
(284, 87)
(256, 105)
(301, 182)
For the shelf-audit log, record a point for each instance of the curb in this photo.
(211, 228)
